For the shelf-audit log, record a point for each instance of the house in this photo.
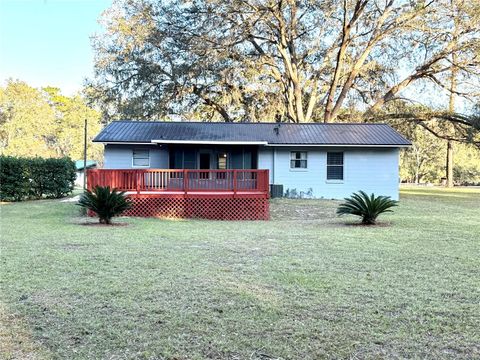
(311, 160)
(80, 170)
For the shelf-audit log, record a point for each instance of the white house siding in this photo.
(120, 156)
(79, 178)
(369, 169)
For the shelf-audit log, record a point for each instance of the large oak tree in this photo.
(302, 60)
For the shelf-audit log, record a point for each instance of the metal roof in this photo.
(79, 164)
(354, 134)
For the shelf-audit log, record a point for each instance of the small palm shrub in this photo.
(105, 202)
(367, 207)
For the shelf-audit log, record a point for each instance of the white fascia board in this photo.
(123, 143)
(264, 143)
(339, 145)
(202, 142)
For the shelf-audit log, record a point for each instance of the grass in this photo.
(303, 285)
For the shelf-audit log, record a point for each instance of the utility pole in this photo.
(85, 157)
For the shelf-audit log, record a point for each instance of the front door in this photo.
(204, 161)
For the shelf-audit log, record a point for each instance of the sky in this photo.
(47, 42)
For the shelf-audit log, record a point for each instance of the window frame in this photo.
(224, 156)
(133, 158)
(293, 159)
(342, 166)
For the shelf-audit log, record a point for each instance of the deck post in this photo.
(138, 181)
(88, 174)
(266, 178)
(234, 182)
(185, 181)
(259, 181)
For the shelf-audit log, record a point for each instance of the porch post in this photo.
(234, 182)
(138, 181)
(185, 180)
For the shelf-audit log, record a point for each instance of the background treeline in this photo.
(425, 161)
(43, 122)
(34, 178)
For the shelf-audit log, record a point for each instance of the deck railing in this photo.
(185, 180)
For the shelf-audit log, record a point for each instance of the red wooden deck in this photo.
(211, 194)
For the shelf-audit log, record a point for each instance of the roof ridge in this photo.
(241, 123)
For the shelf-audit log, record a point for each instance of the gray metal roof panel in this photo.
(295, 134)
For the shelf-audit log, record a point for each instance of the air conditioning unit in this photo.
(276, 191)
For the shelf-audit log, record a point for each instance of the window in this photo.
(334, 165)
(298, 160)
(141, 158)
(183, 159)
(236, 159)
(189, 159)
(222, 161)
(176, 159)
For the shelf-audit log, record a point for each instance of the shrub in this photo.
(14, 179)
(105, 203)
(59, 177)
(367, 207)
(27, 178)
(38, 174)
(295, 194)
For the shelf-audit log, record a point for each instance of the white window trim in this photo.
(334, 181)
(141, 166)
(294, 169)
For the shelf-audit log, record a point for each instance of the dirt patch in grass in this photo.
(93, 221)
(323, 211)
(296, 209)
(377, 224)
(104, 225)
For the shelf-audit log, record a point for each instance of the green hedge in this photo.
(35, 178)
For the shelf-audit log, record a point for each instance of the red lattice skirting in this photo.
(212, 207)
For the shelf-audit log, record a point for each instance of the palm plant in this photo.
(367, 207)
(105, 202)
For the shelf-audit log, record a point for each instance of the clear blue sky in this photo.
(47, 42)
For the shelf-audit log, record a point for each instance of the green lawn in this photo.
(303, 285)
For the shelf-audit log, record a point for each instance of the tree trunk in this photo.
(451, 109)
(339, 63)
(449, 167)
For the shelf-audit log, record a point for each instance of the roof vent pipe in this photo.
(276, 128)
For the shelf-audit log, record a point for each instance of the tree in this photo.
(70, 115)
(437, 123)
(423, 161)
(467, 165)
(27, 121)
(43, 122)
(296, 60)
